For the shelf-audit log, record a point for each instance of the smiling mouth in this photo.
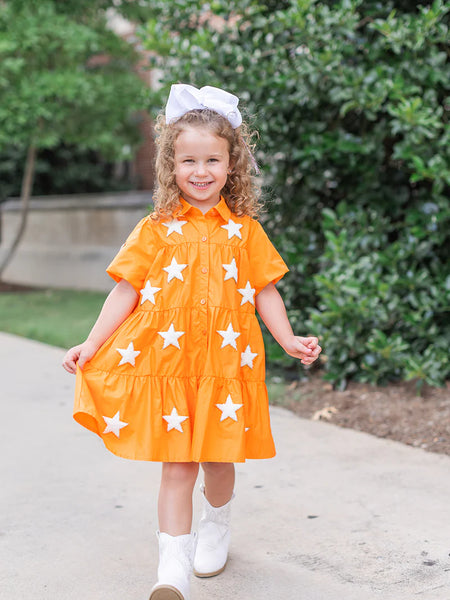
(201, 186)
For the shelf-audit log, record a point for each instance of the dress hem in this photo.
(77, 414)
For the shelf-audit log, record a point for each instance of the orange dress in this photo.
(183, 377)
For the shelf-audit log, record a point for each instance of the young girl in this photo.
(173, 369)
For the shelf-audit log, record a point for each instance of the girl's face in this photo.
(202, 161)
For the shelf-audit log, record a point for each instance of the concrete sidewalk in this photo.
(336, 515)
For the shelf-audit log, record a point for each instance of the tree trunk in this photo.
(27, 185)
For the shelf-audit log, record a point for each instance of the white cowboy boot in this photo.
(175, 567)
(213, 539)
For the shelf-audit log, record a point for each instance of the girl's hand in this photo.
(307, 349)
(79, 354)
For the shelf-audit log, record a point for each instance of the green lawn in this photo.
(57, 317)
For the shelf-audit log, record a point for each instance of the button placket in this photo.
(203, 275)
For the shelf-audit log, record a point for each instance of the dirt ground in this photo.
(395, 411)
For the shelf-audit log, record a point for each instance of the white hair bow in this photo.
(183, 98)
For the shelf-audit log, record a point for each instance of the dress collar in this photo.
(221, 207)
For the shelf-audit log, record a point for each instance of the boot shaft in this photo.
(215, 514)
(176, 555)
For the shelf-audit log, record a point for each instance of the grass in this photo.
(58, 317)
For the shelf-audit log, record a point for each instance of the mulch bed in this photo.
(395, 411)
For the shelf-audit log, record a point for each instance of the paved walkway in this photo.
(336, 515)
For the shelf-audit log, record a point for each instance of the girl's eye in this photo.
(188, 160)
(213, 160)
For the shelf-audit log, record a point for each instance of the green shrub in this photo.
(62, 170)
(351, 101)
(384, 295)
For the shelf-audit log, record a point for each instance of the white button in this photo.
(204, 238)
(202, 301)
(204, 270)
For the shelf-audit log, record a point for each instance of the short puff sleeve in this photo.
(135, 257)
(266, 264)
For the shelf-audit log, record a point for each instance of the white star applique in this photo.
(247, 294)
(174, 271)
(233, 229)
(174, 226)
(114, 424)
(174, 420)
(229, 337)
(171, 337)
(128, 355)
(229, 409)
(231, 271)
(148, 293)
(247, 357)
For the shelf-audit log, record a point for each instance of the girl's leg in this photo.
(219, 482)
(175, 497)
(176, 543)
(214, 527)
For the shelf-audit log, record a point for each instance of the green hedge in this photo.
(65, 169)
(383, 295)
(351, 100)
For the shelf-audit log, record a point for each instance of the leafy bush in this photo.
(384, 294)
(62, 170)
(351, 102)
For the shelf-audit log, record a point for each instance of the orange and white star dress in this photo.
(183, 377)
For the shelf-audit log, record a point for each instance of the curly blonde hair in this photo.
(241, 191)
